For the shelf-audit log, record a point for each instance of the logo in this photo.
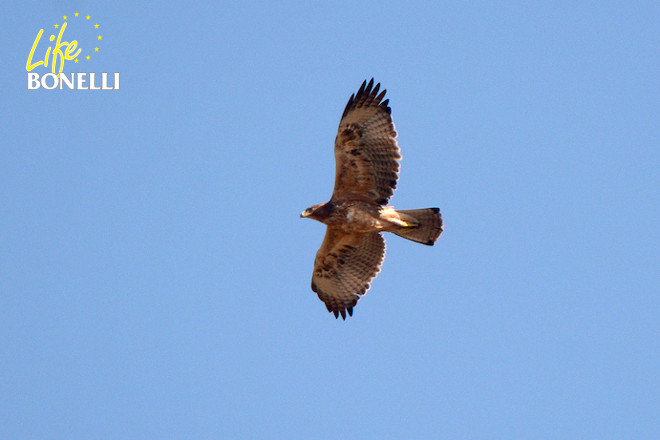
(59, 53)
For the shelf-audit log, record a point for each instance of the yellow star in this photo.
(87, 57)
(87, 17)
(96, 25)
(76, 14)
(96, 49)
(64, 17)
(100, 37)
(76, 60)
(57, 25)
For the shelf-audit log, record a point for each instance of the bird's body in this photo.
(367, 155)
(357, 216)
(351, 216)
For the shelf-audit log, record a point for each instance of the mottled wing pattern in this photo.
(344, 267)
(366, 151)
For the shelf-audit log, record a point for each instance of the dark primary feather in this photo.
(365, 93)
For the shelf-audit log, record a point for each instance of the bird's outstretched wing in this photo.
(366, 150)
(344, 267)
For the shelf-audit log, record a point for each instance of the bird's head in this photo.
(317, 212)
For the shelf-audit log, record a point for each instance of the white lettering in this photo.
(81, 81)
(70, 83)
(104, 81)
(44, 84)
(33, 80)
(92, 85)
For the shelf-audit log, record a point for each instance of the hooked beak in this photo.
(303, 214)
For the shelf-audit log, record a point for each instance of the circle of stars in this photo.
(86, 17)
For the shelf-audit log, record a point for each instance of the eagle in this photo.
(367, 169)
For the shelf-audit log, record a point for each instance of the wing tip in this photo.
(341, 310)
(367, 95)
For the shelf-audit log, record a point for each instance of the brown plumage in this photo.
(367, 167)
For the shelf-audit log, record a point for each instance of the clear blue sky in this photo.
(155, 275)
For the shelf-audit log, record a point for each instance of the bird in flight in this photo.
(367, 168)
